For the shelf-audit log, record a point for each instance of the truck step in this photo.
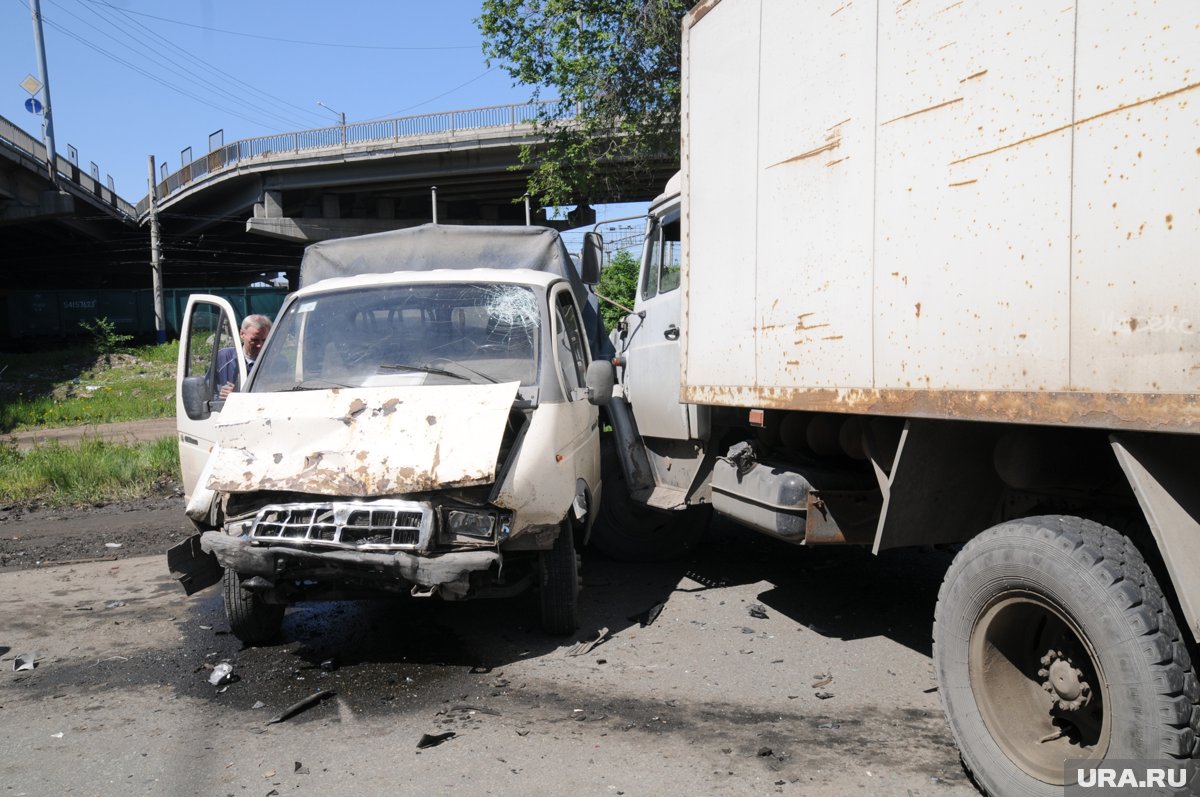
(662, 497)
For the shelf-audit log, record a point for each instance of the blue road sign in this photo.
(33, 105)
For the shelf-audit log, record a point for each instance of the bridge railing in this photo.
(355, 135)
(26, 143)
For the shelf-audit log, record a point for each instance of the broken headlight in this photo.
(465, 526)
(239, 528)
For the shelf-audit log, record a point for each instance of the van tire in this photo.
(629, 532)
(559, 584)
(251, 618)
(1050, 624)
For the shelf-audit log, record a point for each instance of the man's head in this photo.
(254, 334)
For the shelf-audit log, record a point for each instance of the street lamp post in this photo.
(341, 119)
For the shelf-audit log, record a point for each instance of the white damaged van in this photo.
(422, 419)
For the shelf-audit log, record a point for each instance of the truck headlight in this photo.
(473, 526)
(239, 528)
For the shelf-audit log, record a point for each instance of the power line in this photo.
(294, 41)
(266, 95)
(431, 99)
(180, 70)
(155, 78)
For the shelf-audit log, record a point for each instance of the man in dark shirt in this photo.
(254, 334)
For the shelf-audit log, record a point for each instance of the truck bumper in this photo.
(449, 572)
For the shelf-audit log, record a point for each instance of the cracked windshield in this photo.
(404, 335)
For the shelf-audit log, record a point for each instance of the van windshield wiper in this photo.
(317, 384)
(422, 369)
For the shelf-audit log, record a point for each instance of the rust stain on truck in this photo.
(1085, 120)
(1158, 412)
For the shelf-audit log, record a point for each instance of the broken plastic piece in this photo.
(300, 769)
(301, 705)
(221, 674)
(824, 680)
(114, 604)
(824, 695)
(329, 665)
(757, 611)
(258, 704)
(25, 661)
(434, 739)
(587, 646)
(112, 545)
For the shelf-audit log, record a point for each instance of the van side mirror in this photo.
(593, 257)
(196, 392)
(600, 379)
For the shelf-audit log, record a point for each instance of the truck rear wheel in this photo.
(251, 618)
(560, 583)
(628, 532)
(1052, 641)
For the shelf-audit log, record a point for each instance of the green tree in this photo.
(618, 281)
(615, 63)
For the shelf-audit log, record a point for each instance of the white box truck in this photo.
(929, 276)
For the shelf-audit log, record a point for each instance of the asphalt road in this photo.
(831, 693)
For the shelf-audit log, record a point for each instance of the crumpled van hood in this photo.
(361, 441)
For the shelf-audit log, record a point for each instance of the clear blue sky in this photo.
(131, 78)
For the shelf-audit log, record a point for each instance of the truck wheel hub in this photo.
(1064, 682)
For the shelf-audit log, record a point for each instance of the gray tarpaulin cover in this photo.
(433, 246)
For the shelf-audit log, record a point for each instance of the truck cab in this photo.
(425, 431)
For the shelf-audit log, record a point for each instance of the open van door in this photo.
(210, 352)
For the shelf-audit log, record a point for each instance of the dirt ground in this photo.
(831, 693)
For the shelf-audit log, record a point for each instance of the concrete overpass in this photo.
(73, 229)
(368, 177)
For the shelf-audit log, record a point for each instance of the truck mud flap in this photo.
(193, 567)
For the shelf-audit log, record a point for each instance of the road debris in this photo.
(258, 704)
(587, 646)
(707, 581)
(829, 726)
(823, 679)
(300, 769)
(649, 616)
(25, 661)
(434, 739)
(58, 735)
(112, 545)
(471, 709)
(329, 665)
(113, 604)
(823, 695)
(221, 674)
(757, 611)
(301, 705)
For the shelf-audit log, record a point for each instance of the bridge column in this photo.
(271, 206)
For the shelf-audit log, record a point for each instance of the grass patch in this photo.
(75, 386)
(93, 471)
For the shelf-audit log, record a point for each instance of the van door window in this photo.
(569, 349)
(210, 343)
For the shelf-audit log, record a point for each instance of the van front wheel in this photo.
(251, 618)
(559, 584)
